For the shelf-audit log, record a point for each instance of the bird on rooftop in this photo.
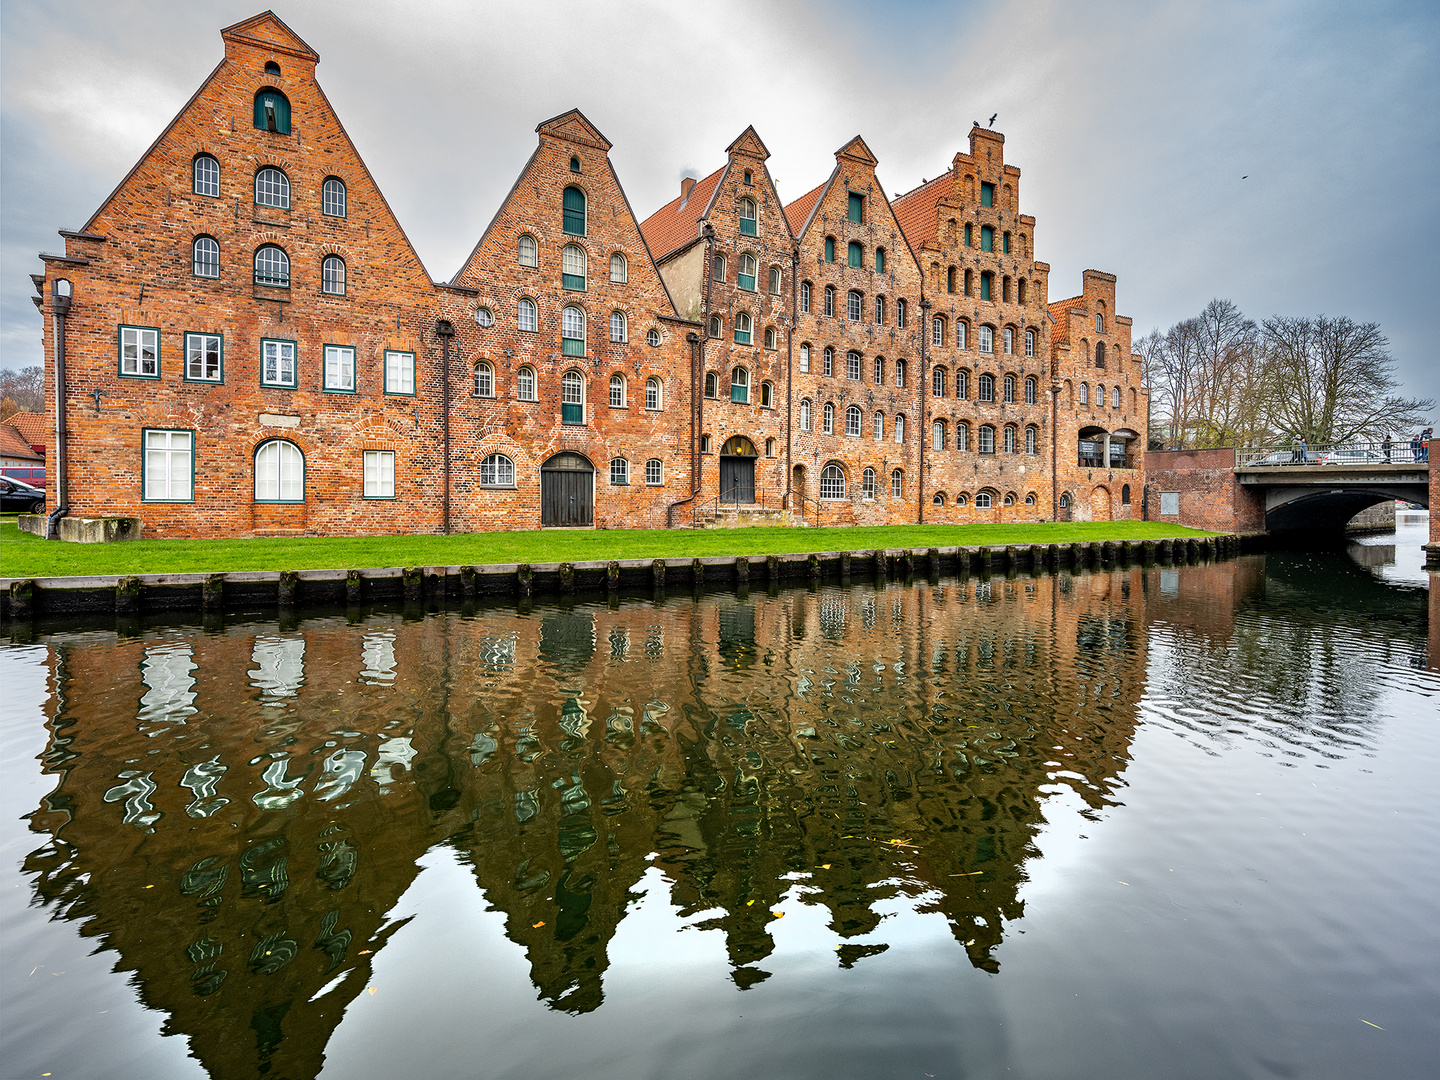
(992, 119)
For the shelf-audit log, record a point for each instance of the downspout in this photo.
(444, 330)
(924, 392)
(60, 293)
(1054, 451)
(790, 375)
(693, 340)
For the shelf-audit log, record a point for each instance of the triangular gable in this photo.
(268, 31)
(856, 150)
(749, 144)
(574, 126)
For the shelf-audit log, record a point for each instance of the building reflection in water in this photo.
(234, 812)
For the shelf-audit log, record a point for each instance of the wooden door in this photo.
(567, 497)
(737, 479)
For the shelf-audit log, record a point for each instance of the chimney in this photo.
(687, 184)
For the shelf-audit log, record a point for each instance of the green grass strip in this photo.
(24, 555)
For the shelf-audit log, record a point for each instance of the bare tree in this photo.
(25, 388)
(1331, 380)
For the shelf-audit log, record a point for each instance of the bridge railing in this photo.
(1397, 452)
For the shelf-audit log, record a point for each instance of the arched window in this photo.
(899, 372)
(805, 297)
(619, 269)
(1115, 397)
(775, 280)
(1009, 498)
(769, 447)
(572, 398)
(746, 278)
(853, 420)
(1065, 501)
(938, 499)
(572, 332)
(740, 386)
(829, 249)
(1084, 394)
(1029, 342)
(497, 470)
(855, 254)
(879, 426)
(961, 499)
(1030, 498)
(879, 311)
(767, 395)
(205, 176)
(985, 388)
(982, 500)
(529, 254)
(525, 383)
(962, 437)
(879, 260)
(617, 391)
(897, 484)
(867, 483)
(832, 483)
(525, 315)
(1099, 352)
(987, 339)
(854, 367)
(804, 357)
(804, 414)
(574, 164)
(572, 202)
(272, 267)
(484, 379)
(205, 257)
(829, 361)
(772, 338)
(333, 197)
(937, 331)
(717, 326)
(1009, 440)
(272, 111)
(654, 471)
(1009, 341)
(962, 384)
(712, 384)
(950, 277)
(829, 419)
(747, 217)
(618, 332)
(572, 267)
(272, 188)
(279, 472)
(830, 300)
(1099, 323)
(855, 306)
(1009, 389)
(937, 435)
(1032, 440)
(743, 327)
(986, 440)
(619, 471)
(962, 334)
(332, 275)
(654, 398)
(705, 443)
(937, 382)
(879, 371)
(1125, 495)
(900, 428)
(901, 311)
(1032, 390)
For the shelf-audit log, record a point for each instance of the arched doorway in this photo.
(567, 491)
(737, 470)
(1100, 504)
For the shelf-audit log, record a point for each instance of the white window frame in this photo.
(272, 191)
(379, 474)
(1029, 342)
(484, 379)
(899, 428)
(210, 184)
(497, 470)
(654, 393)
(829, 418)
(867, 483)
(281, 355)
(619, 269)
(399, 372)
(283, 490)
(339, 375)
(331, 283)
(167, 468)
(805, 408)
(211, 268)
(527, 254)
(854, 421)
(832, 482)
(618, 333)
(135, 343)
(617, 391)
(987, 339)
(331, 206)
(878, 427)
(525, 306)
(805, 358)
(525, 384)
(655, 472)
(198, 362)
(619, 471)
(897, 484)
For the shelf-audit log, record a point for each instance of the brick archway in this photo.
(1100, 504)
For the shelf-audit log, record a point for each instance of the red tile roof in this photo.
(13, 445)
(915, 210)
(798, 212)
(673, 225)
(32, 426)
(1057, 309)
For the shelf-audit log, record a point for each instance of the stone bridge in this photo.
(1322, 498)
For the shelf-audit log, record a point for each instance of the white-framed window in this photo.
(740, 386)
(879, 426)
(619, 269)
(205, 176)
(985, 444)
(962, 334)
(962, 383)
(272, 188)
(333, 197)
(1009, 341)
(746, 279)
(938, 499)
(705, 443)
(527, 251)
(654, 394)
(652, 338)
(572, 267)
(484, 317)
(484, 378)
(332, 275)
(897, 483)
(1065, 501)
(1032, 388)
(829, 361)
(619, 471)
(140, 352)
(617, 327)
(805, 414)
(204, 357)
(205, 257)
(712, 384)
(744, 327)
(272, 267)
(879, 311)
(1029, 342)
(767, 395)
(832, 483)
(654, 472)
(983, 501)
(901, 313)
(717, 268)
(1115, 398)
(340, 368)
(900, 371)
(987, 339)
(867, 483)
(1084, 393)
(747, 217)
(937, 435)
(855, 306)
(829, 418)
(572, 332)
(1009, 443)
(525, 383)
(1032, 440)
(962, 437)
(879, 371)
(900, 428)
(169, 470)
(1099, 324)
(772, 338)
(497, 470)
(774, 281)
(617, 391)
(937, 382)
(525, 315)
(572, 398)
(1009, 389)
(277, 363)
(830, 301)
(805, 297)
(985, 388)
(854, 367)
(279, 472)
(805, 358)
(854, 419)
(937, 331)
(379, 474)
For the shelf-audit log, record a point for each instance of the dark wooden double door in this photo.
(737, 479)
(567, 491)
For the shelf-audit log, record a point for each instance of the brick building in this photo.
(252, 346)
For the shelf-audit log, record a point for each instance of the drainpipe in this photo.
(445, 330)
(693, 339)
(924, 394)
(60, 295)
(790, 373)
(1054, 451)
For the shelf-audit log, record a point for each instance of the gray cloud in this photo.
(1133, 124)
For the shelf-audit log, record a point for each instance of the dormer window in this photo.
(272, 111)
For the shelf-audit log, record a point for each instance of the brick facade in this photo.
(1208, 494)
(669, 404)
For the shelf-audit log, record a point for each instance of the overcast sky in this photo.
(1132, 123)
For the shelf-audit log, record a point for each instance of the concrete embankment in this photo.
(23, 599)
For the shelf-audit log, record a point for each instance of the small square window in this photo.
(400, 373)
(340, 368)
(379, 474)
(140, 352)
(203, 354)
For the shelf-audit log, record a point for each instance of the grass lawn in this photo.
(23, 555)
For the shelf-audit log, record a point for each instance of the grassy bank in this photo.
(23, 555)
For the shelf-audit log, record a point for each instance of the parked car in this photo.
(1353, 455)
(1287, 457)
(18, 497)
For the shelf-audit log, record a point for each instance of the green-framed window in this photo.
(573, 207)
(987, 238)
(969, 235)
(339, 369)
(168, 465)
(879, 260)
(1005, 244)
(204, 358)
(139, 352)
(856, 208)
(985, 280)
(572, 332)
(399, 372)
(829, 249)
(747, 217)
(572, 267)
(855, 254)
(272, 111)
(987, 194)
(278, 364)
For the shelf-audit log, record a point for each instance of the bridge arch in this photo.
(1307, 510)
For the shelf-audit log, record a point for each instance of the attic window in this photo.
(272, 111)
(272, 68)
(574, 164)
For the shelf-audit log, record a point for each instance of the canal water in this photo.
(1166, 822)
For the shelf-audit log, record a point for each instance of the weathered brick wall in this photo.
(1210, 496)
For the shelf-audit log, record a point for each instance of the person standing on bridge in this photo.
(1425, 437)
(1385, 445)
(1415, 446)
(1297, 450)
